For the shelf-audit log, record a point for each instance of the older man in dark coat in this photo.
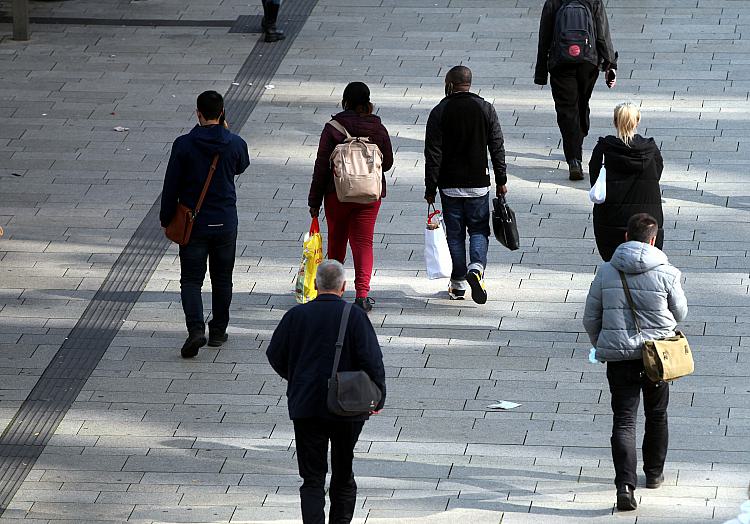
(302, 351)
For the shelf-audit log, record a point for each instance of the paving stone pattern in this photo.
(153, 438)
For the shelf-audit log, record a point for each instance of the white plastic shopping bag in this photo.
(598, 192)
(437, 257)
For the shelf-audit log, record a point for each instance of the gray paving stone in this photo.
(85, 188)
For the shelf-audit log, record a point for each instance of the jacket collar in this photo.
(460, 94)
(328, 297)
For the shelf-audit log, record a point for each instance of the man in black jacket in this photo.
(573, 69)
(460, 130)
(214, 234)
(302, 351)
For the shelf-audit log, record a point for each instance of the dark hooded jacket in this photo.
(606, 57)
(633, 174)
(187, 172)
(358, 125)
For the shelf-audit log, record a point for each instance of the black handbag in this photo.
(504, 224)
(350, 393)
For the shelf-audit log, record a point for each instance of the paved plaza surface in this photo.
(154, 438)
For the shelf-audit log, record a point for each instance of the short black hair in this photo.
(459, 75)
(210, 104)
(642, 227)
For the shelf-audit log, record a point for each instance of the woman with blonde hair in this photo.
(634, 165)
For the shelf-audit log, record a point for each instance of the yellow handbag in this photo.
(666, 358)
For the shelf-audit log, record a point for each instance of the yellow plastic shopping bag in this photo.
(312, 256)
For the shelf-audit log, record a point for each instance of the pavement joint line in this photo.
(31, 428)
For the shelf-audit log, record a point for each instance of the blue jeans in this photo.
(218, 249)
(462, 215)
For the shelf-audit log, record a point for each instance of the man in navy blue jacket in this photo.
(302, 351)
(214, 235)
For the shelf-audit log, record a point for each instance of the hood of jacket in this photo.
(358, 125)
(632, 158)
(635, 257)
(211, 139)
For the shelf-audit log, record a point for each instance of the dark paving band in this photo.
(138, 22)
(27, 434)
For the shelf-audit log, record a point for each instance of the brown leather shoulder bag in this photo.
(181, 225)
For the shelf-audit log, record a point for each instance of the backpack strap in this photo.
(338, 127)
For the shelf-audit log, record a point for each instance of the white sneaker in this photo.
(455, 293)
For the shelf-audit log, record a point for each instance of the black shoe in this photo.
(476, 282)
(575, 169)
(654, 482)
(195, 341)
(217, 338)
(273, 34)
(365, 303)
(626, 498)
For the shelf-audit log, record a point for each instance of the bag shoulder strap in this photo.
(338, 127)
(205, 186)
(630, 300)
(340, 341)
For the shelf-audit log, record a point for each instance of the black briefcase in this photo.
(350, 393)
(504, 224)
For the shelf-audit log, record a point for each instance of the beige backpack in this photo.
(357, 166)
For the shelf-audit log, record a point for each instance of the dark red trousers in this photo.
(355, 224)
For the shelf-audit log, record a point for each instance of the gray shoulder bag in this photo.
(350, 393)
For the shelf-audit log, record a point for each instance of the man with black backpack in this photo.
(574, 44)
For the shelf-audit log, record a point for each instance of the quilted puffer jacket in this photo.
(655, 286)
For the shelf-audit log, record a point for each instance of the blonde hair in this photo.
(627, 118)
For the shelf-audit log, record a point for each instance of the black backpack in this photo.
(575, 36)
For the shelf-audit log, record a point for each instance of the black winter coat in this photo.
(303, 347)
(633, 174)
(460, 131)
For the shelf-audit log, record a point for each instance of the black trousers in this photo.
(571, 90)
(627, 380)
(218, 249)
(311, 436)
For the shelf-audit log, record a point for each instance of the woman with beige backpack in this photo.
(353, 153)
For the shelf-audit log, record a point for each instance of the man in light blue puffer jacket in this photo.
(657, 293)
